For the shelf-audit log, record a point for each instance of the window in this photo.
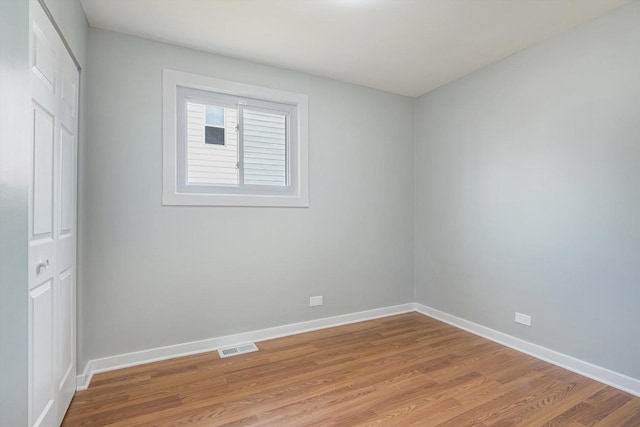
(232, 144)
(214, 125)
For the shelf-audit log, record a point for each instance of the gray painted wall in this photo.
(159, 275)
(14, 180)
(528, 193)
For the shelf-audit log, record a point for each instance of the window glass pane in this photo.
(264, 148)
(215, 116)
(213, 135)
(211, 162)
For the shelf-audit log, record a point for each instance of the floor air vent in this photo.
(239, 349)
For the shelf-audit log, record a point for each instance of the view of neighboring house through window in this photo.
(212, 144)
(264, 153)
(223, 150)
(229, 148)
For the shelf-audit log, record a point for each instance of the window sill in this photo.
(190, 199)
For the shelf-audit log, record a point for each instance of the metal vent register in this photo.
(236, 350)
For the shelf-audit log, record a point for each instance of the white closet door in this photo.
(52, 224)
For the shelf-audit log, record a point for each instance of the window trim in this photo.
(298, 196)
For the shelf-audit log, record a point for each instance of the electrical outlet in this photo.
(315, 301)
(525, 319)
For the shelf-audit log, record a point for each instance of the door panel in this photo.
(67, 181)
(65, 303)
(65, 340)
(44, 55)
(41, 315)
(43, 145)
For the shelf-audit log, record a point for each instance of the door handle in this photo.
(42, 265)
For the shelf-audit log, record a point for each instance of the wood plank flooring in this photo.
(405, 370)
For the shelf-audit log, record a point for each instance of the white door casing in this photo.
(52, 223)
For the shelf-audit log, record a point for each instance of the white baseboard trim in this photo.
(598, 373)
(111, 363)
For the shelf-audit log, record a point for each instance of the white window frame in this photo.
(175, 192)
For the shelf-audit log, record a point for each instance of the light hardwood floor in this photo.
(405, 370)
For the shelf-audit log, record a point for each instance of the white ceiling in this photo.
(403, 46)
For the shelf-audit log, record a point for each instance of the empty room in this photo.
(320, 213)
